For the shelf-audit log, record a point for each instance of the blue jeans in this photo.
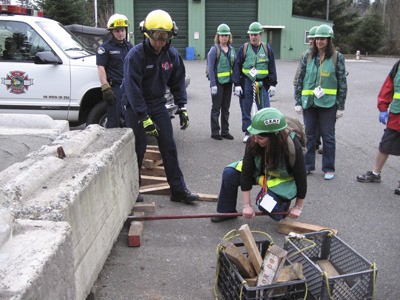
(246, 102)
(323, 119)
(227, 198)
(114, 111)
(221, 103)
(166, 143)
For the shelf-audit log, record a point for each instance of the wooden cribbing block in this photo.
(291, 272)
(327, 267)
(274, 260)
(146, 180)
(135, 232)
(156, 189)
(151, 147)
(155, 171)
(150, 164)
(144, 207)
(152, 154)
(208, 197)
(251, 247)
(286, 226)
(240, 260)
(251, 281)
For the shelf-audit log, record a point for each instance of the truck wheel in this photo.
(98, 114)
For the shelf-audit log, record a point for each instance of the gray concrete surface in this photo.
(177, 257)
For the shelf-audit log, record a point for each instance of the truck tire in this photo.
(98, 114)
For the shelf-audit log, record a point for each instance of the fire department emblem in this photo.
(17, 82)
(166, 66)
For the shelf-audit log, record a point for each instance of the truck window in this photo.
(21, 42)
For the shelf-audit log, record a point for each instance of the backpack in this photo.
(246, 46)
(295, 126)
(218, 55)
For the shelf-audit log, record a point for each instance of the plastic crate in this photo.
(357, 276)
(230, 282)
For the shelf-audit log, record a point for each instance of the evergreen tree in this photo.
(66, 11)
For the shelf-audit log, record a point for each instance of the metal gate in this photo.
(237, 14)
(178, 9)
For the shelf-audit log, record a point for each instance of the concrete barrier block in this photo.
(38, 262)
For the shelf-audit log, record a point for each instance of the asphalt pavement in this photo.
(177, 258)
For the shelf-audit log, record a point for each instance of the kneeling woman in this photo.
(274, 159)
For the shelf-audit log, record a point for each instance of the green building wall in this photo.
(275, 15)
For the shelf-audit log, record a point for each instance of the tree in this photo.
(65, 11)
(369, 34)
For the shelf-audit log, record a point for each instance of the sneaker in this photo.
(221, 219)
(397, 191)
(227, 136)
(185, 197)
(246, 137)
(329, 175)
(369, 177)
(216, 137)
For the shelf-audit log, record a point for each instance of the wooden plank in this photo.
(274, 260)
(291, 272)
(155, 171)
(327, 267)
(152, 147)
(251, 281)
(208, 197)
(240, 260)
(150, 164)
(144, 207)
(156, 189)
(152, 154)
(286, 226)
(251, 247)
(147, 180)
(135, 231)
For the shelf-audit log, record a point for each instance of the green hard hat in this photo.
(223, 29)
(324, 31)
(255, 28)
(267, 120)
(312, 31)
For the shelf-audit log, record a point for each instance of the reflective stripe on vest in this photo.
(274, 182)
(395, 105)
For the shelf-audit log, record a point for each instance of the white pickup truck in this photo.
(46, 70)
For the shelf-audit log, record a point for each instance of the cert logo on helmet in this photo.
(17, 82)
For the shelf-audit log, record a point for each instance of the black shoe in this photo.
(216, 137)
(221, 219)
(369, 177)
(139, 198)
(186, 197)
(227, 136)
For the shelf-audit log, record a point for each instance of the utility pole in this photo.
(327, 10)
(95, 13)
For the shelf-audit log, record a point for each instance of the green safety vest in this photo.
(225, 66)
(395, 105)
(324, 76)
(278, 181)
(257, 60)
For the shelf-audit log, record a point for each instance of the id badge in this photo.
(253, 72)
(319, 92)
(268, 203)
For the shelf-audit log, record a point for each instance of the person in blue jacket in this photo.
(110, 64)
(150, 67)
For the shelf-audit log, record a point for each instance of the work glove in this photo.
(339, 113)
(383, 117)
(238, 91)
(150, 128)
(298, 109)
(214, 90)
(271, 91)
(183, 118)
(108, 94)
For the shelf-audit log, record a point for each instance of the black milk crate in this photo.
(357, 276)
(232, 286)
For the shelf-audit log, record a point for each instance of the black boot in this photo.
(185, 197)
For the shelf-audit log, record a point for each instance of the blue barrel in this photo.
(189, 53)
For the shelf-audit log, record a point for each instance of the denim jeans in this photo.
(221, 103)
(227, 198)
(246, 102)
(323, 119)
(166, 143)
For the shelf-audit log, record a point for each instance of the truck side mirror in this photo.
(47, 58)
